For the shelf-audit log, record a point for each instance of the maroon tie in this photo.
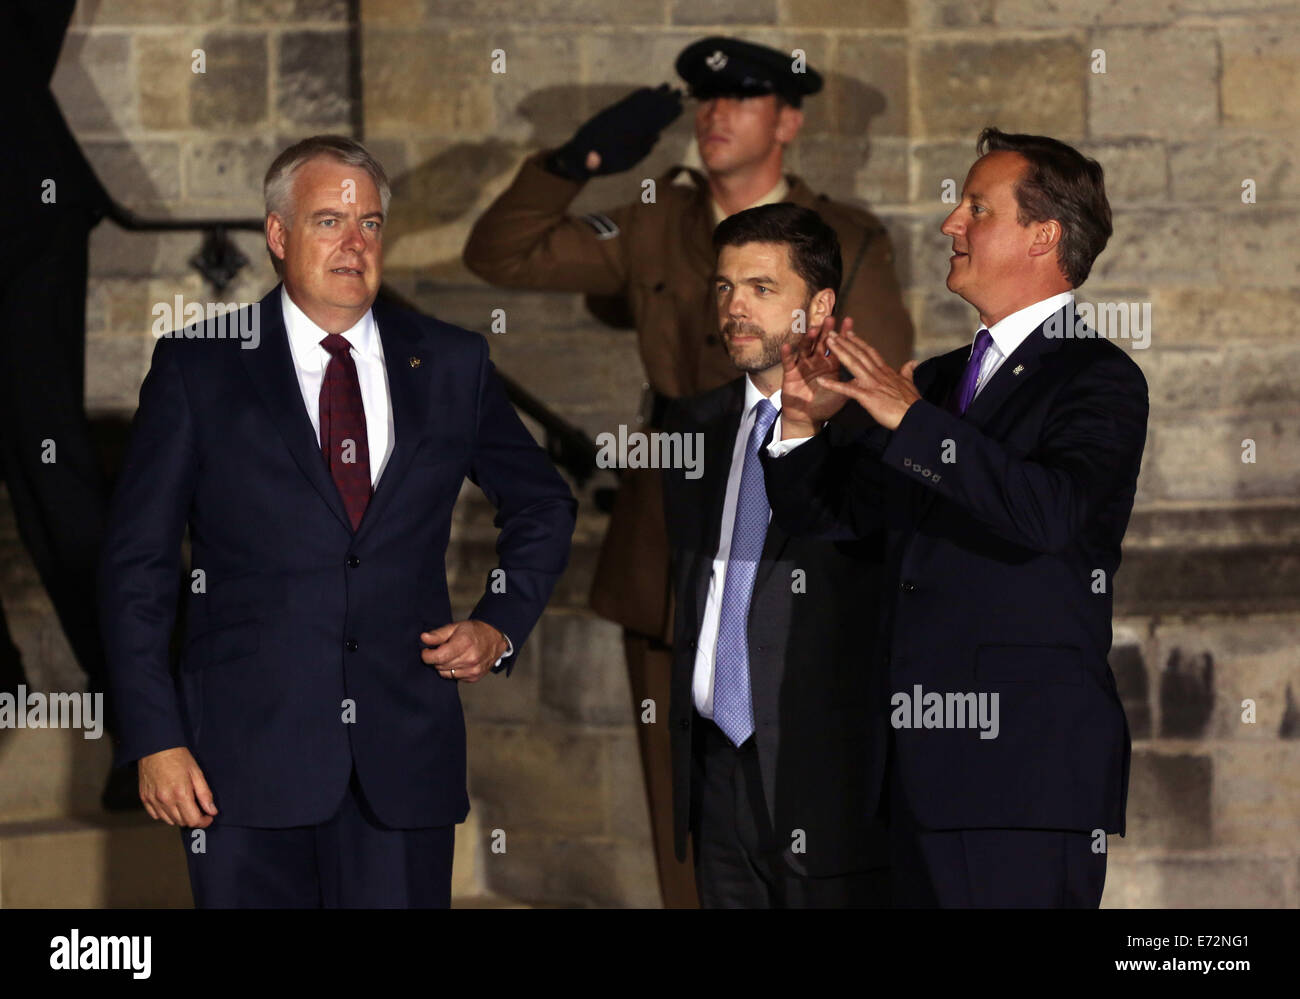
(343, 428)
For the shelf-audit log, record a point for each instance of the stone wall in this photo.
(1197, 97)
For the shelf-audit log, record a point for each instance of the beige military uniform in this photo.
(660, 258)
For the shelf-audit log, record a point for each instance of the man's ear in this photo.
(822, 305)
(276, 231)
(788, 122)
(1047, 236)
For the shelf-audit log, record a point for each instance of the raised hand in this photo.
(805, 403)
(620, 136)
(883, 392)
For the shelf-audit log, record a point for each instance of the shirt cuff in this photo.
(510, 651)
(777, 448)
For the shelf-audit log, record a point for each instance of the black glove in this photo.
(623, 134)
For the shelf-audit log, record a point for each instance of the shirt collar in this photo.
(304, 335)
(1012, 331)
(753, 396)
(777, 194)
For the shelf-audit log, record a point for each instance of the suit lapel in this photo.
(1014, 373)
(719, 440)
(409, 370)
(273, 375)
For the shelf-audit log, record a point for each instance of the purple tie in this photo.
(343, 439)
(971, 376)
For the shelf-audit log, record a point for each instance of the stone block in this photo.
(1253, 248)
(1252, 658)
(869, 88)
(842, 16)
(1020, 85)
(1200, 458)
(942, 15)
(1196, 315)
(1137, 170)
(1260, 85)
(163, 70)
(149, 13)
(144, 176)
(228, 172)
(233, 91)
(737, 12)
(579, 13)
(1212, 169)
(1195, 882)
(289, 11)
(427, 82)
(1169, 799)
(1158, 82)
(93, 84)
(1175, 246)
(539, 779)
(1057, 14)
(584, 673)
(313, 89)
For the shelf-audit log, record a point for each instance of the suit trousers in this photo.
(650, 670)
(350, 861)
(991, 868)
(738, 863)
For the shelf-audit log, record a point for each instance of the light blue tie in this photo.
(733, 708)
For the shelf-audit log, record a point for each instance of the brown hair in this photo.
(1060, 184)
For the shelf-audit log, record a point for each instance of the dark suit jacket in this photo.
(995, 562)
(820, 755)
(299, 612)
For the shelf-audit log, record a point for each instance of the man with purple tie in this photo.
(1004, 473)
(312, 745)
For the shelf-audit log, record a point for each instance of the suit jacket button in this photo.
(684, 723)
(351, 645)
(907, 586)
(353, 561)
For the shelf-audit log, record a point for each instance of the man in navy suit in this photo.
(312, 746)
(1005, 474)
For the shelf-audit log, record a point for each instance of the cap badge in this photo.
(716, 61)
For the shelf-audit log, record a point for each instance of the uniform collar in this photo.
(779, 193)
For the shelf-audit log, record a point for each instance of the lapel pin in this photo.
(1018, 368)
(415, 362)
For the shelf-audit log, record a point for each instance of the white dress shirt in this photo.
(310, 360)
(1014, 330)
(706, 646)
(1007, 335)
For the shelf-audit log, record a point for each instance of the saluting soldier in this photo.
(658, 259)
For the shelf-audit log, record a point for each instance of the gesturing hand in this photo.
(883, 392)
(463, 650)
(805, 403)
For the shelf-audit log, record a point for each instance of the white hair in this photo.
(277, 188)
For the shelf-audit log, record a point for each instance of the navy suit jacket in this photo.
(302, 646)
(1002, 562)
(821, 751)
